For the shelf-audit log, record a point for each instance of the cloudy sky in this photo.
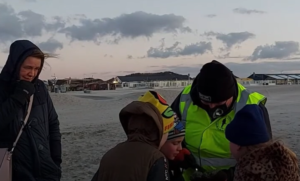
(117, 37)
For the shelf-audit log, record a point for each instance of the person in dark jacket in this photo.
(37, 155)
(208, 106)
(146, 123)
(258, 157)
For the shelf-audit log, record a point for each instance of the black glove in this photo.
(218, 176)
(23, 91)
(230, 173)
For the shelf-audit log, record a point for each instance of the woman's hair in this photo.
(42, 55)
(39, 54)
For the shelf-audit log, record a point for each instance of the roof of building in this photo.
(161, 76)
(291, 76)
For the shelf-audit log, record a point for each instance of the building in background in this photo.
(69, 84)
(275, 79)
(245, 81)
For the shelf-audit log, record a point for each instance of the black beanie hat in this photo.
(215, 82)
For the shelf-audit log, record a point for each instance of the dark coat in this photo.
(37, 156)
(138, 158)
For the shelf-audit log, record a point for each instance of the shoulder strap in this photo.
(24, 123)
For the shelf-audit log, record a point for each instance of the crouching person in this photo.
(259, 158)
(146, 123)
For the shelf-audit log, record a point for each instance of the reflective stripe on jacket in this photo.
(206, 139)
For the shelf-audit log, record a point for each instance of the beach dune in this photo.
(90, 124)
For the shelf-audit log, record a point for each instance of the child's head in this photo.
(248, 128)
(148, 120)
(174, 143)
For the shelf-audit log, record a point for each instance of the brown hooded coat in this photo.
(133, 159)
(270, 163)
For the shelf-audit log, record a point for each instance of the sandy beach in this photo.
(90, 125)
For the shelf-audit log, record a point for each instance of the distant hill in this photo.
(157, 76)
(167, 73)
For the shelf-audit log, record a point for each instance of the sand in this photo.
(90, 126)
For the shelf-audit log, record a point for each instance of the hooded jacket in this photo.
(271, 163)
(138, 158)
(37, 156)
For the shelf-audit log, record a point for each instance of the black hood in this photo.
(18, 52)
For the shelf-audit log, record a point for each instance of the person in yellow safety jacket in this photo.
(208, 106)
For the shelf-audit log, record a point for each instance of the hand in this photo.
(181, 155)
(23, 91)
(218, 176)
(184, 160)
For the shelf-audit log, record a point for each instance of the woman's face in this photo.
(30, 68)
(172, 147)
(235, 150)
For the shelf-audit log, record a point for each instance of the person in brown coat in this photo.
(258, 157)
(146, 123)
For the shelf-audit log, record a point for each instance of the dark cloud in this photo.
(211, 15)
(175, 51)
(50, 45)
(247, 11)
(231, 39)
(137, 24)
(279, 50)
(241, 69)
(129, 57)
(23, 24)
(33, 23)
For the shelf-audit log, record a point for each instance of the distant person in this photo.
(37, 155)
(208, 106)
(146, 123)
(259, 158)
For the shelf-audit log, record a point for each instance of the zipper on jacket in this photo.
(199, 149)
(36, 152)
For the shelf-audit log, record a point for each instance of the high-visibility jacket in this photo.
(206, 139)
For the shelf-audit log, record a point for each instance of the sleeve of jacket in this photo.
(159, 171)
(96, 176)
(8, 109)
(176, 106)
(266, 118)
(54, 133)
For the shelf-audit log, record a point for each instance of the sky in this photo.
(104, 39)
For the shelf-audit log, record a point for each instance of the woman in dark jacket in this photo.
(37, 155)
